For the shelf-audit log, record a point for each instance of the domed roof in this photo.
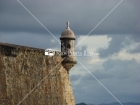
(67, 33)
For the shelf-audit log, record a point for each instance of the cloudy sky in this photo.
(114, 33)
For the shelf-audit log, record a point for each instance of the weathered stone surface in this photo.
(34, 77)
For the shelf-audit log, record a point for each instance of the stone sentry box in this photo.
(22, 68)
(67, 47)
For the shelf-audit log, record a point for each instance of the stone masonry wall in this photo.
(21, 74)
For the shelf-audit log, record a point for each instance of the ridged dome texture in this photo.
(67, 33)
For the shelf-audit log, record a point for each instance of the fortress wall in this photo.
(21, 73)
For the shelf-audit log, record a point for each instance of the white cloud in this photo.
(94, 42)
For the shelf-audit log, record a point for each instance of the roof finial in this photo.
(68, 25)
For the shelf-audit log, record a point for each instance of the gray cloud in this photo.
(115, 45)
(119, 76)
(118, 43)
(82, 15)
(74, 78)
(136, 50)
(54, 14)
(29, 39)
(82, 49)
(135, 39)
